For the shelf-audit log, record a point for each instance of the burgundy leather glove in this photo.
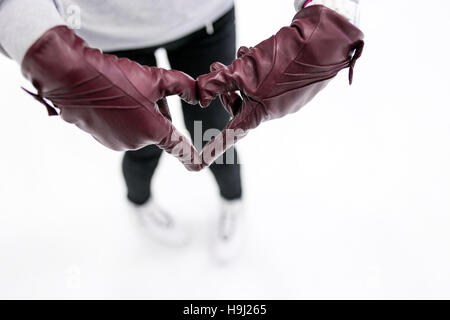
(281, 74)
(119, 102)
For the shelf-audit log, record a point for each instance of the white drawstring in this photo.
(210, 29)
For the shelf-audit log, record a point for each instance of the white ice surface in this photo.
(348, 198)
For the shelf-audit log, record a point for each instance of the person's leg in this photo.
(194, 56)
(139, 166)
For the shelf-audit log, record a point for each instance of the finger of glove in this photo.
(249, 118)
(164, 109)
(223, 79)
(213, 84)
(231, 101)
(242, 51)
(229, 136)
(174, 82)
(216, 66)
(157, 83)
(176, 144)
(206, 96)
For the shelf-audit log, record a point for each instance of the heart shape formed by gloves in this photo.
(122, 104)
(280, 75)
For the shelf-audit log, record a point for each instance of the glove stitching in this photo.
(302, 52)
(109, 80)
(274, 60)
(309, 84)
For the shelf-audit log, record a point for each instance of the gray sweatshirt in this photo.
(118, 24)
(105, 24)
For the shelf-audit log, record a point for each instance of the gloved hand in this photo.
(119, 102)
(280, 75)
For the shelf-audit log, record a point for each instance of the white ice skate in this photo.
(229, 237)
(160, 225)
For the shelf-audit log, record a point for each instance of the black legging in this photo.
(192, 54)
